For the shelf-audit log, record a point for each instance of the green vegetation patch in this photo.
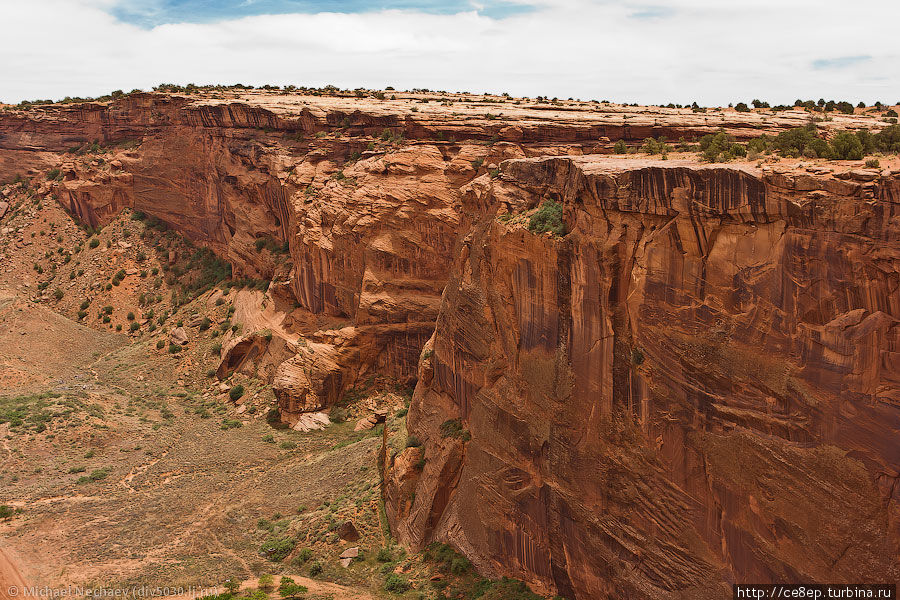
(548, 218)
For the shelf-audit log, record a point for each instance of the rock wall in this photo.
(698, 385)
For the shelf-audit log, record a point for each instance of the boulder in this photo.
(178, 336)
(312, 422)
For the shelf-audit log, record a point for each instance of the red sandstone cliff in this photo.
(697, 385)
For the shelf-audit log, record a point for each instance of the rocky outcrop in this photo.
(697, 385)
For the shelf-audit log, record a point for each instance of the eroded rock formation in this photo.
(698, 384)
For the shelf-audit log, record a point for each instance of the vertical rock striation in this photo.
(697, 385)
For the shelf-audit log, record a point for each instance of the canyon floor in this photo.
(126, 465)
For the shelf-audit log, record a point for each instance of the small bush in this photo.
(315, 569)
(266, 582)
(58, 294)
(872, 163)
(94, 243)
(231, 424)
(134, 326)
(6, 512)
(395, 584)
(236, 392)
(204, 325)
(384, 555)
(288, 588)
(620, 147)
(548, 218)
(412, 441)
(174, 348)
(277, 549)
(96, 475)
(303, 556)
(160, 344)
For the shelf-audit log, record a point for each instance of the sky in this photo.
(646, 51)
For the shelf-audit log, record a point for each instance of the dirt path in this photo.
(9, 577)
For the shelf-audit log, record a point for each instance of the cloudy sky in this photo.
(711, 51)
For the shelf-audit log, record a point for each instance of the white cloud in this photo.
(637, 51)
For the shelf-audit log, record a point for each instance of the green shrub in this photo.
(277, 549)
(872, 163)
(412, 441)
(447, 559)
(93, 243)
(232, 585)
(95, 475)
(652, 146)
(204, 325)
(134, 326)
(395, 584)
(801, 141)
(888, 139)
(548, 218)
(509, 589)
(265, 581)
(620, 147)
(231, 424)
(6, 512)
(847, 146)
(720, 147)
(384, 555)
(236, 392)
(288, 588)
(58, 294)
(741, 107)
(454, 428)
(174, 348)
(315, 569)
(303, 556)
(160, 344)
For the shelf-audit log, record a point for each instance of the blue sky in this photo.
(646, 51)
(150, 13)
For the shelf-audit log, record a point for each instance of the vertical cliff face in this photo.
(697, 385)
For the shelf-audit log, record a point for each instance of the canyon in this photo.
(697, 384)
